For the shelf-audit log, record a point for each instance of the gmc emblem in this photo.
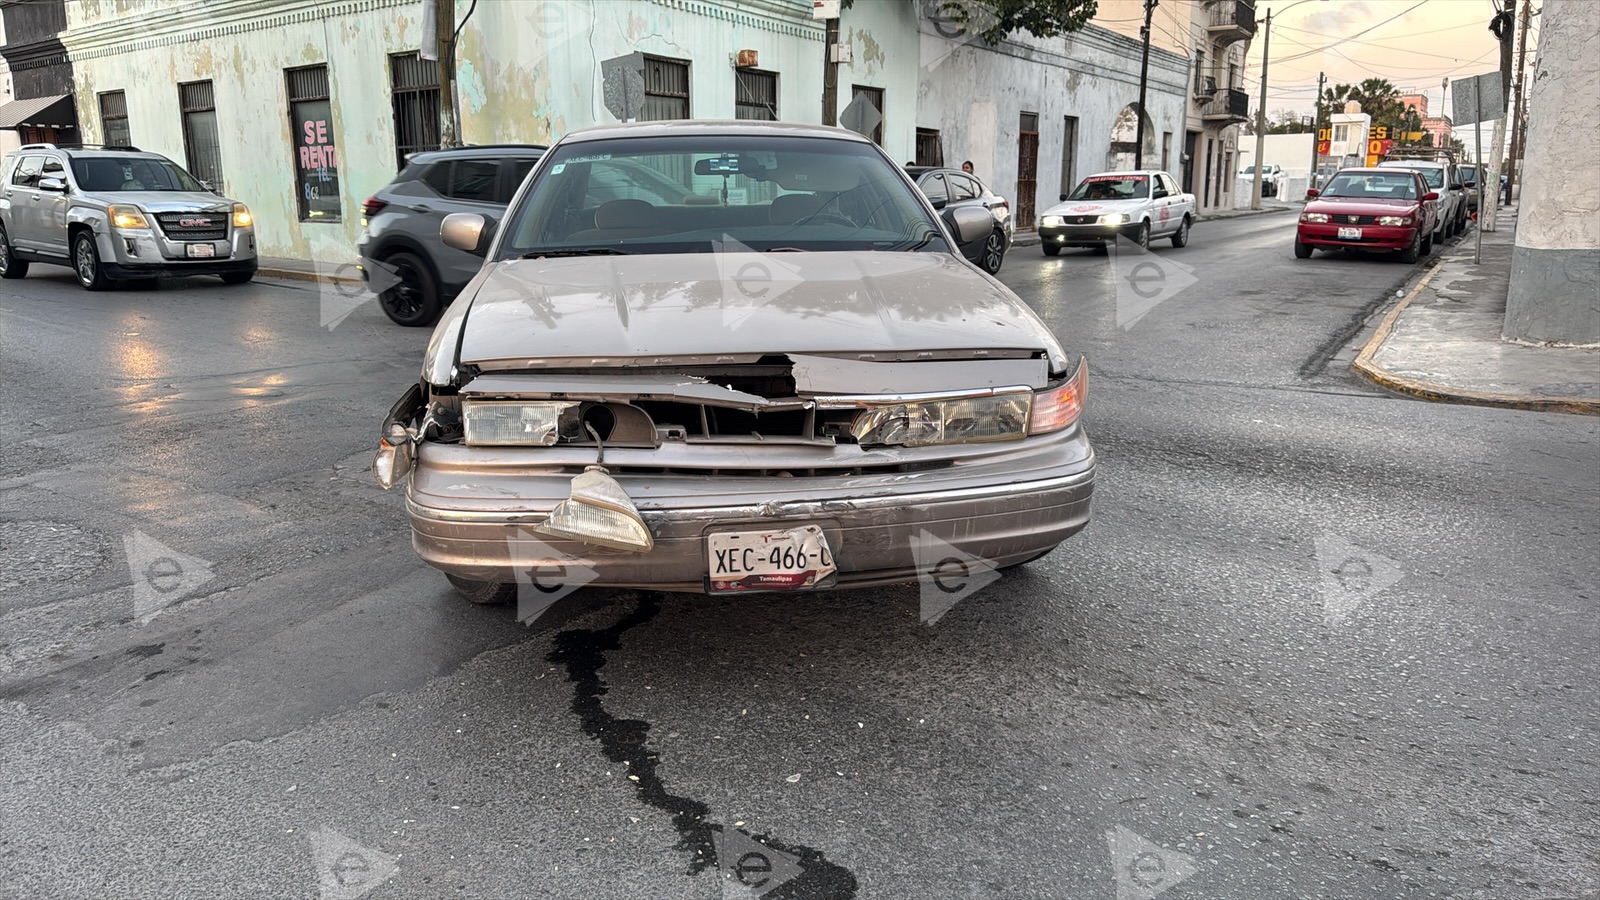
(194, 223)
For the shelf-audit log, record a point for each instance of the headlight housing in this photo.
(1050, 222)
(1113, 218)
(1002, 415)
(518, 423)
(126, 217)
(1315, 218)
(1057, 408)
(1394, 220)
(242, 217)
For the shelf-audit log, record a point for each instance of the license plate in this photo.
(201, 250)
(792, 559)
(1349, 234)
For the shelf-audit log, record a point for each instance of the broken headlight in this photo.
(517, 423)
(962, 420)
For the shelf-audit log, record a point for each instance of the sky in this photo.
(1412, 43)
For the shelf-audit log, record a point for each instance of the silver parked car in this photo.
(787, 380)
(400, 223)
(117, 213)
(1444, 180)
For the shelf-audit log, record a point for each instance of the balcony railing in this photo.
(1230, 105)
(1232, 20)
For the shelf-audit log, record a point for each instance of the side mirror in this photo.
(1458, 186)
(969, 223)
(467, 231)
(1063, 198)
(1431, 195)
(1311, 192)
(53, 184)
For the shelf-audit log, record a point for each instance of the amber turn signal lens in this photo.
(1058, 408)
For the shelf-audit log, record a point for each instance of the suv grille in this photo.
(194, 226)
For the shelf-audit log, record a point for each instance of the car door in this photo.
(51, 207)
(469, 185)
(1161, 200)
(21, 192)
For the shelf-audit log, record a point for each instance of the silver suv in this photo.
(117, 213)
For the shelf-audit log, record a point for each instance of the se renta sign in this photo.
(316, 161)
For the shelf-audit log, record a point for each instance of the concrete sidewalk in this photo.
(1442, 340)
(1031, 238)
(308, 270)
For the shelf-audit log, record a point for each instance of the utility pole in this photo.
(830, 73)
(1261, 114)
(1144, 80)
(447, 73)
(1316, 134)
(1517, 131)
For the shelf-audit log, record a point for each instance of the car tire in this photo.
(1180, 238)
(10, 266)
(238, 277)
(413, 302)
(1051, 249)
(484, 593)
(86, 263)
(1142, 236)
(1412, 253)
(994, 252)
(1301, 251)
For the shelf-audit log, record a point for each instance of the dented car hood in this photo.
(610, 310)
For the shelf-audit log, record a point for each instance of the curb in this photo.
(1241, 213)
(1443, 393)
(298, 275)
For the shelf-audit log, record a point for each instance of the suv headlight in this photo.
(1113, 219)
(514, 424)
(242, 217)
(126, 217)
(959, 420)
(1394, 220)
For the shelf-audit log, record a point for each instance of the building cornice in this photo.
(205, 20)
(786, 17)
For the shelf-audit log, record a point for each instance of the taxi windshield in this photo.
(1113, 187)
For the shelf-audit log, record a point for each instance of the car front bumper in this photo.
(149, 253)
(1373, 237)
(1005, 508)
(1085, 235)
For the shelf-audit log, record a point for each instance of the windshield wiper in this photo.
(575, 251)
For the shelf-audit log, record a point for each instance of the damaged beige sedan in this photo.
(727, 357)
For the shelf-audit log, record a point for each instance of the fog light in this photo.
(599, 512)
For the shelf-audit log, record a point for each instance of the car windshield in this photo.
(691, 194)
(109, 174)
(1371, 186)
(1112, 187)
(1432, 175)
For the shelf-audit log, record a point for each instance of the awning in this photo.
(40, 112)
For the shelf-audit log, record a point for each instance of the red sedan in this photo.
(1370, 209)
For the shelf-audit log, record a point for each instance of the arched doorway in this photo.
(1123, 152)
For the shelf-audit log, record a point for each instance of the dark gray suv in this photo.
(401, 223)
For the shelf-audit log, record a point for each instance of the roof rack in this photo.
(1421, 153)
(118, 147)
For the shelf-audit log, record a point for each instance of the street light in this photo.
(1261, 109)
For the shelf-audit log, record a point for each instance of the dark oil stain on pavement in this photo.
(624, 741)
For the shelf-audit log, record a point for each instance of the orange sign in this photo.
(1372, 160)
(1374, 147)
(1324, 147)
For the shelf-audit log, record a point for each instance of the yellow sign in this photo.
(1412, 135)
(1325, 134)
(1380, 133)
(1372, 160)
(1374, 147)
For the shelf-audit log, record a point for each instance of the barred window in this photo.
(666, 89)
(414, 91)
(202, 147)
(755, 95)
(316, 162)
(114, 119)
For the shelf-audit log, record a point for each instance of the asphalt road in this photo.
(1318, 641)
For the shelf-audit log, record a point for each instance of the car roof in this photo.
(1411, 164)
(699, 127)
(475, 151)
(1127, 172)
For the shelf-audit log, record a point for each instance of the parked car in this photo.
(1370, 209)
(1469, 175)
(1271, 178)
(400, 223)
(953, 187)
(1138, 205)
(619, 394)
(1443, 180)
(117, 213)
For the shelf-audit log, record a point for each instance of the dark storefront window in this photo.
(666, 89)
(200, 142)
(316, 162)
(414, 88)
(755, 95)
(114, 119)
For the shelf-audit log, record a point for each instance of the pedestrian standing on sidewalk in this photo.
(967, 167)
